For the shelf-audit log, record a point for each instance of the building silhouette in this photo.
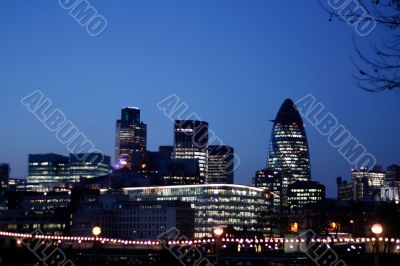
(4, 176)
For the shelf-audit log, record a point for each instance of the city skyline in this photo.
(227, 79)
(220, 133)
(284, 113)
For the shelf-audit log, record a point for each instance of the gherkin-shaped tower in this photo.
(288, 149)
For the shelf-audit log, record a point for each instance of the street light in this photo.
(96, 231)
(218, 231)
(377, 229)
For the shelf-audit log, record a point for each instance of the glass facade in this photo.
(132, 220)
(302, 193)
(131, 135)
(94, 165)
(270, 180)
(220, 164)
(48, 168)
(367, 183)
(191, 142)
(45, 211)
(215, 204)
(288, 150)
(345, 190)
(48, 171)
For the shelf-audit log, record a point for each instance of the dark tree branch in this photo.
(379, 71)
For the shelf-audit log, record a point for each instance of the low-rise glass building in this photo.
(241, 207)
(302, 193)
(93, 165)
(119, 217)
(50, 171)
(45, 169)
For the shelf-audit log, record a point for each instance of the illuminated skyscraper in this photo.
(220, 164)
(191, 142)
(131, 135)
(288, 150)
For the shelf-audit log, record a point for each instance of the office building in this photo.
(393, 173)
(367, 183)
(52, 171)
(221, 164)
(288, 148)
(302, 193)
(191, 142)
(94, 165)
(164, 170)
(167, 149)
(180, 172)
(4, 176)
(389, 192)
(131, 135)
(241, 207)
(29, 211)
(16, 184)
(345, 191)
(148, 163)
(121, 218)
(270, 180)
(46, 171)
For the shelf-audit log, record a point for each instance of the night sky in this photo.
(233, 63)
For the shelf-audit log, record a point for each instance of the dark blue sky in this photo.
(233, 62)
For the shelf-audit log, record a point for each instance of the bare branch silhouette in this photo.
(378, 69)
